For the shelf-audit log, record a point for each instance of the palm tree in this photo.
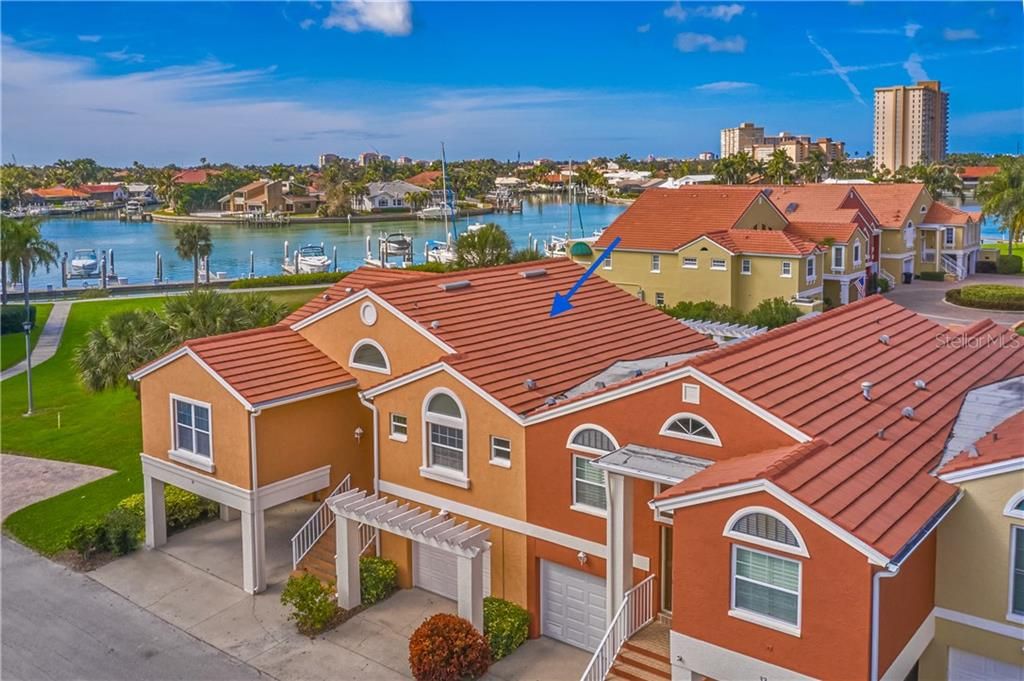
(780, 167)
(814, 167)
(193, 243)
(839, 168)
(25, 251)
(939, 179)
(735, 169)
(13, 233)
(166, 188)
(1002, 195)
(486, 247)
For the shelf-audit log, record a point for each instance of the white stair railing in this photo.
(318, 523)
(367, 537)
(889, 278)
(636, 612)
(951, 266)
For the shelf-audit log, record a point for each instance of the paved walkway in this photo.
(48, 341)
(25, 480)
(928, 298)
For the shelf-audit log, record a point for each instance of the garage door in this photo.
(572, 606)
(437, 571)
(964, 666)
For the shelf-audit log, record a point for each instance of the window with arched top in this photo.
(1015, 506)
(444, 423)
(369, 355)
(764, 526)
(686, 426)
(589, 483)
(592, 438)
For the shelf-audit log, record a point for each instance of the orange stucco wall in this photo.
(229, 419)
(301, 436)
(905, 601)
(835, 594)
(338, 332)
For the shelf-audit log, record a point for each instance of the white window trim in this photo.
(496, 461)
(1009, 509)
(693, 386)
(1012, 616)
(949, 236)
(857, 252)
(782, 269)
(659, 294)
(587, 508)
(398, 437)
(717, 441)
(812, 270)
(749, 266)
(756, 617)
(440, 473)
(694, 266)
(589, 450)
(607, 262)
(366, 367)
(767, 543)
(183, 456)
(723, 268)
(655, 264)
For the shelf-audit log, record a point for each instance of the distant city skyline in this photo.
(285, 82)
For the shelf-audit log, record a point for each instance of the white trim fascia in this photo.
(368, 293)
(800, 550)
(810, 291)
(640, 475)
(844, 278)
(191, 480)
(984, 471)
(307, 395)
(993, 627)
(178, 354)
(300, 485)
(705, 237)
(749, 487)
(911, 653)
(898, 256)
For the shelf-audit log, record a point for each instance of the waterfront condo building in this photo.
(910, 124)
(750, 139)
(765, 510)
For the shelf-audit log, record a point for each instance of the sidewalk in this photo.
(48, 341)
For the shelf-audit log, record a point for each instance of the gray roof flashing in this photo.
(648, 463)
(983, 409)
(624, 370)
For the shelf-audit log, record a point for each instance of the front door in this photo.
(666, 568)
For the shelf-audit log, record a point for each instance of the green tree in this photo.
(194, 242)
(1002, 195)
(735, 169)
(780, 167)
(486, 247)
(840, 168)
(25, 251)
(939, 179)
(15, 181)
(813, 169)
(166, 188)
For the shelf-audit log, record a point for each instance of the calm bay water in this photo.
(135, 244)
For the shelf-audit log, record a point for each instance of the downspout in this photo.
(368, 403)
(255, 474)
(890, 570)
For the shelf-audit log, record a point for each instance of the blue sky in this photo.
(267, 81)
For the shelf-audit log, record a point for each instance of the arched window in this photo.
(759, 525)
(1015, 507)
(369, 355)
(445, 440)
(591, 438)
(589, 485)
(691, 427)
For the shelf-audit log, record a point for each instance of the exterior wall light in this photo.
(359, 434)
(582, 558)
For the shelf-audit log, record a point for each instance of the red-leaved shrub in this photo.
(447, 648)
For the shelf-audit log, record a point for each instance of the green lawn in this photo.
(100, 429)
(12, 345)
(1004, 248)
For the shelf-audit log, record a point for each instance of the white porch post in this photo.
(844, 292)
(254, 577)
(470, 574)
(619, 566)
(156, 512)
(228, 514)
(346, 562)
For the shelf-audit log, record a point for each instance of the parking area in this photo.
(928, 298)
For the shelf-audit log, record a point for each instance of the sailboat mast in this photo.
(568, 234)
(444, 189)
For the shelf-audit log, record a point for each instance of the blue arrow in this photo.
(561, 302)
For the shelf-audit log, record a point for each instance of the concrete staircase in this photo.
(319, 562)
(644, 657)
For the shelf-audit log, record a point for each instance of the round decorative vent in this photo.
(368, 313)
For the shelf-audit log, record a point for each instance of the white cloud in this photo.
(676, 11)
(837, 68)
(910, 29)
(390, 17)
(307, 24)
(694, 42)
(90, 38)
(957, 34)
(724, 86)
(984, 122)
(123, 55)
(717, 12)
(915, 68)
(643, 28)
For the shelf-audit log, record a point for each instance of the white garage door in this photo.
(964, 666)
(571, 606)
(437, 571)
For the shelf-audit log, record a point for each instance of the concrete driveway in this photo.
(928, 298)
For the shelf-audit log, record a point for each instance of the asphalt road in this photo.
(58, 624)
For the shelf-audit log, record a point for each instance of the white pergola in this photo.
(468, 543)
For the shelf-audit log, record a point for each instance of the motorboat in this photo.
(436, 212)
(306, 260)
(389, 246)
(556, 247)
(133, 207)
(439, 251)
(84, 263)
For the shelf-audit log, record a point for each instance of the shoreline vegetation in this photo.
(309, 219)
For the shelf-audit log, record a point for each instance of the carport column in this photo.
(844, 292)
(156, 512)
(254, 551)
(619, 567)
(470, 573)
(346, 562)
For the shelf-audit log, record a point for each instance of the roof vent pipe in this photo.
(865, 388)
(908, 412)
(549, 401)
(881, 433)
(972, 452)
(435, 324)
(883, 339)
(920, 384)
(530, 384)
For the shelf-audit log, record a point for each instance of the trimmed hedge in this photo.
(184, 509)
(378, 578)
(988, 297)
(506, 626)
(1008, 264)
(12, 316)
(305, 278)
(314, 607)
(932, 276)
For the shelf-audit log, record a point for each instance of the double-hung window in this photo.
(193, 443)
(950, 236)
(856, 252)
(1017, 575)
(655, 263)
(608, 260)
(838, 258)
(589, 488)
(399, 427)
(810, 269)
(766, 586)
(745, 266)
(787, 269)
(659, 299)
(501, 451)
(445, 425)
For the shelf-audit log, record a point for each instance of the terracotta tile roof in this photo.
(195, 175)
(813, 202)
(819, 231)
(1002, 444)
(941, 214)
(269, 363)
(891, 203)
(978, 172)
(773, 242)
(59, 193)
(425, 179)
(364, 277)
(101, 188)
(501, 328)
(809, 374)
(665, 219)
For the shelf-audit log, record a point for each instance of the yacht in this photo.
(307, 259)
(84, 263)
(389, 246)
(436, 212)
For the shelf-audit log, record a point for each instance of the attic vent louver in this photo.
(791, 207)
(883, 339)
(908, 412)
(532, 274)
(530, 384)
(454, 285)
(920, 384)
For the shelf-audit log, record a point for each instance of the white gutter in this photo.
(890, 570)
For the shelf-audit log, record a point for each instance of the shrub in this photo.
(883, 285)
(290, 280)
(378, 578)
(12, 316)
(184, 509)
(772, 313)
(985, 267)
(314, 608)
(88, 538)
(932, 276)
(1008, 264)
(123, 529)
(988, 297)
(706, 310)
(506, 626)
(447, 648)
(436, 267)
(94, 293)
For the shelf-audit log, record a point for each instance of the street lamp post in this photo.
(27, 325)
